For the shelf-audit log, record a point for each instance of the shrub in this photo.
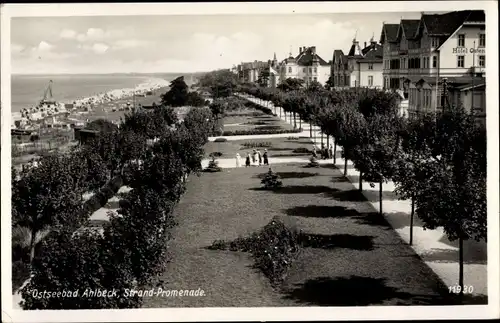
(220, 140)
(273, 248)
(259, 132)
(20, 273)
(271, 180)
(265, 144)
(313, 162)
(213, 166)
(215, 154)
(293, 138)
(301, 150)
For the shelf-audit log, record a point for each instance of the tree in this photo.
(375, 154)
(453, 190)
(221, 83)
(263, 79)
(44, 197)
(79, 262)
(177, 96)
(291, 84)
(101, 125)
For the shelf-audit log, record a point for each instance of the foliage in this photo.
(213, 166)
(215, 154)
(255, 144)
(274, 249)
(222, 83)
(101, 125)
(259, 132)
(177, 95)
(271, 180)
(290, 84)
(45, 196)
(79, 262)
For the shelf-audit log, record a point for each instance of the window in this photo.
(370, 66)
(315, 70)
(304, 70)
(460, 61)
(434, 61)
(289, 69)
(370, 80)
(341, 80)
(310, 69)
(315, 78)
(461, 40)
(482, 60)
(482, 40)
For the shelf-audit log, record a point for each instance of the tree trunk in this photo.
(327, 142)
(321, 131)
(360, 181)
(294, 120)
(280, 112)
(335, 152)
(411, 218)
(461, 266)
(300, 123)
(285, 115)
(380, 195)
(345, 166)
(32, 245)
(310, 130)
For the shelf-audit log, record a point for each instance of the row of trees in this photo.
(438, 161)
(152, 153)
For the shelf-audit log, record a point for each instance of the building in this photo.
(307, 66)
(258, 71)
(361, 67)
(421, 56)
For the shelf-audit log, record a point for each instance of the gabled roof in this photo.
(389, 33)
(355, 51)
(446, 24)
(374, 53)
(306, 58)
(338, 56)
(408, 27)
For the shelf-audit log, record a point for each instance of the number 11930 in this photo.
(457, 288)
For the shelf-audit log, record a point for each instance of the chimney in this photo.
(300, 50)
(365, 45)
(313, 50)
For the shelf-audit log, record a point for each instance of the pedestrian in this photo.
(255, 157)
(266, 160)
(330, 151)
(314, 152)
(238, 160)
(260, 157)
(247, 162)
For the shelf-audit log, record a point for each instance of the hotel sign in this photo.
(463, 50)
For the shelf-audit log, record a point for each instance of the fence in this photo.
(46, 142)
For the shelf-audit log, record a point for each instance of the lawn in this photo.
(352, 258)
(277, 147)
(248, 119)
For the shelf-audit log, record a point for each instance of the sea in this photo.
(28, 90)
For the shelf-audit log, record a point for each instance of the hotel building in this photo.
(307, 65)
(424, 57)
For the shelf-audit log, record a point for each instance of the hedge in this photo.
(259, 132)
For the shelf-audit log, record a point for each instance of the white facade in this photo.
(306, 66)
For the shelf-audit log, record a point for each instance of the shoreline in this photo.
(108, 97)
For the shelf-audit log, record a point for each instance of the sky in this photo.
(181, 44)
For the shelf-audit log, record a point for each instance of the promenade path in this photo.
(440, 254)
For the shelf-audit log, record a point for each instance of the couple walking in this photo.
(256, 158)
(326, 153)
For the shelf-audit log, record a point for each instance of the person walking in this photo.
(260, 157)
(255, 157)
(247, 162)
(314, 152)
(330, 151)
(266, 158)
(238, 160)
